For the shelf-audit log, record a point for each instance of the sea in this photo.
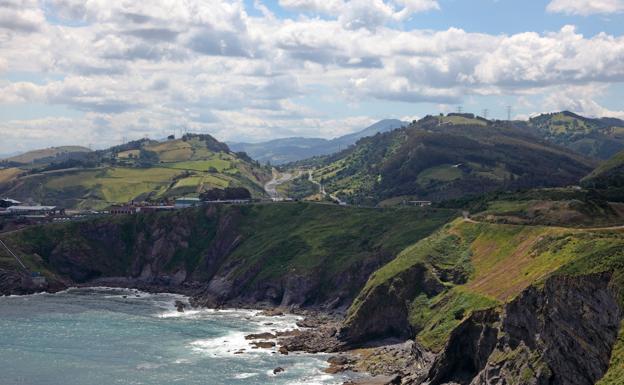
(108, 336)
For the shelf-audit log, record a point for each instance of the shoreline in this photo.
(316, 332)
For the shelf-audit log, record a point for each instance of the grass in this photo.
(615, 374)
(498, 261)
(8, 174)
(462, 121)
(444, 173)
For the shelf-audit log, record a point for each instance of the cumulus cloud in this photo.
(580, 99)
(133, 68)
(369, 14)
(585, 7)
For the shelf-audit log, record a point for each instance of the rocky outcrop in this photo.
(561, 334)
(384, 309)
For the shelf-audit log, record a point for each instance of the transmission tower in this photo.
(509, 113)
(460, 109)
(485, 113)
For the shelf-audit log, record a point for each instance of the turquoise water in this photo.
(96, 336)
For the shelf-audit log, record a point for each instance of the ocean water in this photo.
(98, 337)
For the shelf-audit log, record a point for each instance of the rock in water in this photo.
(180, 306)
(278, 370)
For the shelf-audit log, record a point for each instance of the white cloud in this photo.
(134, 68)
(585, 7)
(369, 14)
(580, 99)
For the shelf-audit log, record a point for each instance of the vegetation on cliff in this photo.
(291, 253)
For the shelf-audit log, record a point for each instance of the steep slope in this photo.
(280, 151)
(502, 304)
(439, 158)
(596, 138)
(610, 174)
(231, 254)
(469, 266)
(141, 170)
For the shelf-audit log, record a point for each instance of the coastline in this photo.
(315, 332)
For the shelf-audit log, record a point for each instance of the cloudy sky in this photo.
(98, 71)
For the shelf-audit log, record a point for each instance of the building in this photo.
(32, 210)
(182, 203)
(8, 202)
(420, 203)
(126, 209)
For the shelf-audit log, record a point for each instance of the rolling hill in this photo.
(609, 174)
(446, 157)
(280, 151)
(140, 170)
(46, 155)
(597, 138)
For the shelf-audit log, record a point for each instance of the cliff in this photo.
(231, 255)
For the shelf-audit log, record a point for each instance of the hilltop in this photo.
(47, 155)
(597, 138)
(446, 157)
(280, 151)
(139, 170)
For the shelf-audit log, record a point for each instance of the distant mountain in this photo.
(139, 170)
(280, 151)
(599, 138)
(447, 157)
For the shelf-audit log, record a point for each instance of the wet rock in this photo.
(180, 306)
(283, 350)
(278, 370)
(260, 336)
(262, 344)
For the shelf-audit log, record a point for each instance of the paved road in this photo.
(271, 186)
(323, 192)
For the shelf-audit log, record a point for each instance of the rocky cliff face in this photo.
(561, 334)
(384, 310)
(280, 255)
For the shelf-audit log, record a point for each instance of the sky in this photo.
(99, 72)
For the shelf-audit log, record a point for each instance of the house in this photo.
(182, 203)
(420, 203)
(125, 209)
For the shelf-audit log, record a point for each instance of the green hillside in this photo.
(609, 174)
(141, 170)
(325, 256)
(47, 155)
(596, 138)
(468, 266)
(440, 158)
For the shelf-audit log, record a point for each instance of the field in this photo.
(144, 170)
(7, 174)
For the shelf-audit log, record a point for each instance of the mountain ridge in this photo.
(285, 150)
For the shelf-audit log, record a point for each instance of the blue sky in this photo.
(75, 72)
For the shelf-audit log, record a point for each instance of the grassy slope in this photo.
(419, 162)
(183, 167)
(34, 155)
(322, 240)
(499, 260)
